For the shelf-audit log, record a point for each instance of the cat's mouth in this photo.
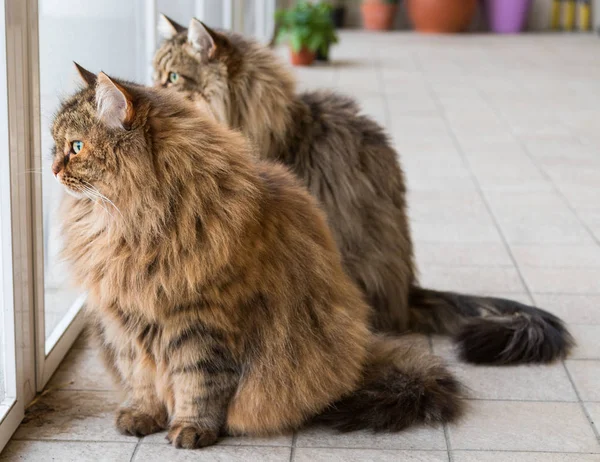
(72, 187)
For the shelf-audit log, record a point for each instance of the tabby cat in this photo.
(348, 164)
(215, 288)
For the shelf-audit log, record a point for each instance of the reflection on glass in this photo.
(109, 36)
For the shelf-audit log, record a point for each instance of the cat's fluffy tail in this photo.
(403, 385)
(490, 330)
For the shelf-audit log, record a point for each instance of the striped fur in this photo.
(348, 164)
(215, 288)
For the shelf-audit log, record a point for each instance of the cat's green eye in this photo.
(173, 77)
(76, 146)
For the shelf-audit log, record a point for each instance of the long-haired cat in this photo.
(348, 164)
(215, 288)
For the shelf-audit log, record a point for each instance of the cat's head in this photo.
(100, 141)
(199, 62)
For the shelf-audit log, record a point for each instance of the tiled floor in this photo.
(500, 142)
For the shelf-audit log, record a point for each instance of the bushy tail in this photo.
(403, 385)
(490, 330)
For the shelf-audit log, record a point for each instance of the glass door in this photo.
(8, 358)
(110, 36)
(40, 311)
(16, 340)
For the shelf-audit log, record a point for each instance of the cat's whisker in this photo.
(103, 197)
(93, 195)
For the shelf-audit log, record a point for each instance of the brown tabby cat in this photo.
(215, 287)
(347, 162)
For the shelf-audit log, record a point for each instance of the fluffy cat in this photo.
(215, 288)
(348, 164)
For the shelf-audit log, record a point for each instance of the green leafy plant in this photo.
(306, 25)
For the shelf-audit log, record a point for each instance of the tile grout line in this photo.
(293, 448)
(581, 403)
(503, 237)
(448, 444)
(137, 446)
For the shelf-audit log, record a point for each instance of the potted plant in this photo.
(441, 16)
(507, 16)
(379, 14)
(307, 28)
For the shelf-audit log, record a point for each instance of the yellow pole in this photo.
(569, 23)
(584, 15)
(555, 18)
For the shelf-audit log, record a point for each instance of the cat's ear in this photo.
(114, 103)
(168, 28)
(89, 78)
(202, 39)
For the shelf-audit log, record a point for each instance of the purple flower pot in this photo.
(507, 16)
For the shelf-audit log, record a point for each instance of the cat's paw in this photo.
(136, 423)
(188, 436)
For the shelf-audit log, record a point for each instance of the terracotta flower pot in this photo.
(304, 57)
(378, 14)
(441, 16)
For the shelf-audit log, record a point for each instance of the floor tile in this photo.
(412, 438)
(593, 410)
(545, 233)
(471, 279)
(73, 415)
(586, 376)
(461, 254)
(524, 383)
(524, 426)
(166, 452)
(82, 369)
(551, 256)
(449, 232)
(362, 455)
(588, 341)
(574, 309)
(562, 280)
(67, 451)
(509, 456)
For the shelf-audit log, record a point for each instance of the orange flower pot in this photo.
(378, 15)
(304, 57)
(441, 16)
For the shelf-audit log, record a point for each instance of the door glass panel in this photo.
(7, 323)
(103, 35)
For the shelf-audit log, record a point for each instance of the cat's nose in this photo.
(56, 168)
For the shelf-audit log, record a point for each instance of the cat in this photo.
(346, 161)
(215, 288)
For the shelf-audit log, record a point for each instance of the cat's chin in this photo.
(75, 194)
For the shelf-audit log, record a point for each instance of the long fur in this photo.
(215, 288)
(491, 330)
(347, 162)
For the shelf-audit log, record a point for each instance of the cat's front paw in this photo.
(188, 436)
(136, 423)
